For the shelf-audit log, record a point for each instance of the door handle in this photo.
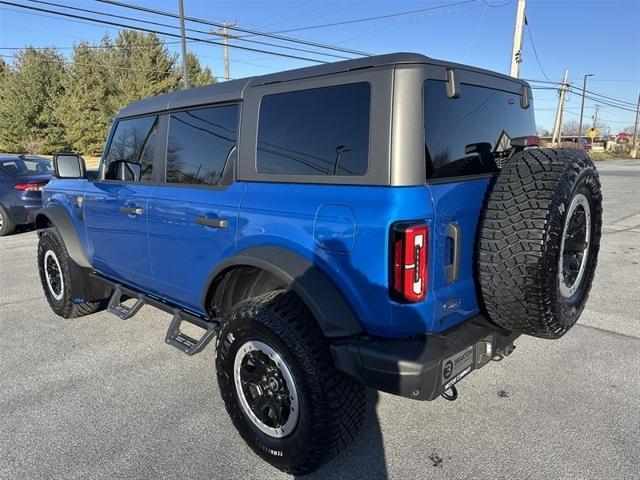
(453, 269)
(212, 222)
(132, 210)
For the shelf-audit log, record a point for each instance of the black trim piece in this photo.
(464, 178)
(327, 304)
(58, 216)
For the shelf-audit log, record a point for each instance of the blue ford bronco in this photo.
(385, 222)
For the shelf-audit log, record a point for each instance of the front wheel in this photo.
(280, 387)
(55, 276)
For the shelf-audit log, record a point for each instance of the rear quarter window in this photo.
(470, 135)
(320, 131)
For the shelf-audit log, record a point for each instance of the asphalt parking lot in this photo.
(97, 397)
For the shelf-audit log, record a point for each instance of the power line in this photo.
(535, 51)
(615, 80)
(580, 92)
(157, 32)
(380, 17)
(610, 98)
(236, 28)
(85, 45)
(206, 32)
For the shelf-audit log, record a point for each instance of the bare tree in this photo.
(570, 128)
(542, 132)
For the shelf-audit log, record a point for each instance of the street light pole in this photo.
(584, 88)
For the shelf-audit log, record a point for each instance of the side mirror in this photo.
(68, 165)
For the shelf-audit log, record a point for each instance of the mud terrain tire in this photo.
(330, 406)
(539, 241)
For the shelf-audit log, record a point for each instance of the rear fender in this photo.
(327, 304)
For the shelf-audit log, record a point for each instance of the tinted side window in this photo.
(131, 152)
(471, 134)
(200, 142)
(322, 131)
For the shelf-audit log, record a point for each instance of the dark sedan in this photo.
(21, 181)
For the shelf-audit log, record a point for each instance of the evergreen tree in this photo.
(89, 103)
(197, 75)
(143, 65)
(29, 93)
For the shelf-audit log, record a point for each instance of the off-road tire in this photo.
(7, 227)
(50, 240)
(331, 405)
(520, 241)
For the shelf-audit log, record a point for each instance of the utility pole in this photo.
(185, 71)
(224, 32)
(584, 88)
(595, 116)
(518, 31)
(557, 127)
(634, 149)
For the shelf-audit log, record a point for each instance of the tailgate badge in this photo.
(451, 304)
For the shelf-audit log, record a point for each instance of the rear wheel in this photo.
(539, 241)
(7, 227)
(53, 266)
(279, 385)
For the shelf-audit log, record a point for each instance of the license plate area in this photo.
(456, 367)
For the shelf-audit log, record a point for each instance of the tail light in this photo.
(522, 142)
(27, 187)
(410, 247)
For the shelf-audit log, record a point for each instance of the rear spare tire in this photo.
(539, 241)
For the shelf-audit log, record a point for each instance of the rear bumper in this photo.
(415, 368)
(23, 214)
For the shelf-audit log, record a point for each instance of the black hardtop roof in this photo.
(233, 89)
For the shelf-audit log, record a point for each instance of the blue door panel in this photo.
(117, 241)
(183, 252)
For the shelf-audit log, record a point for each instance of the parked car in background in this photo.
(21, 181)
(574, 142)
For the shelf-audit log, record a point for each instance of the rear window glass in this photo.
(200, 142)
(131, 152)
(25, 166)
(472, 134)
(320, 131)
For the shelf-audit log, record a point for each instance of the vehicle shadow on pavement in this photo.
(365, 457)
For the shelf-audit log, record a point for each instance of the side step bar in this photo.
(117, 306)
(185, 343)
(174, 337)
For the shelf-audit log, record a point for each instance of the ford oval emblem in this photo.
(452, 303)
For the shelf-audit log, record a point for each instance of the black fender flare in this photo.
(57, 216)
(87, 288)
(327, 304)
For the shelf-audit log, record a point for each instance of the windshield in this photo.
(25, 166)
